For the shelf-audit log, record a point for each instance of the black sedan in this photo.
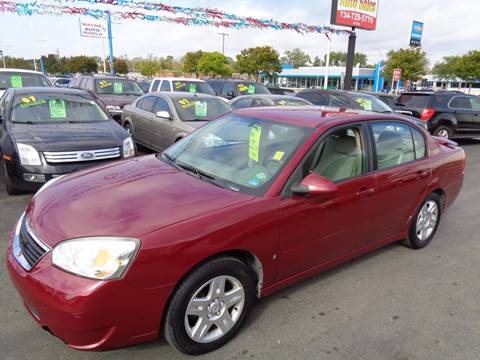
(247, 101)
(48, 132)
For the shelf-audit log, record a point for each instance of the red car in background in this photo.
(181, 243)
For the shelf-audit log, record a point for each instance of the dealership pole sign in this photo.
(361, 14)
(92, 28)
(416, 34)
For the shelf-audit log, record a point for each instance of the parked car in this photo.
(112, 92)
(181, 85)
(61, 82)
(157, 120)
(246, 101)
(45, 133)
(19, 78)
(145, 85)
(388, 99)
(280, 90)
(181, 243)
(321, 97)
(447, 114)
(229, 89)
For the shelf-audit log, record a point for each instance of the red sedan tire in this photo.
(209, 306)
(425, 223)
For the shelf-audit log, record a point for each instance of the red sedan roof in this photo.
(312, 116)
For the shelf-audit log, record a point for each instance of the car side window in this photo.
(155, 85)
(258, 102)
(460, 102)
(341, 155)
(315, 98)
(394, 144)
(217, 86)
(228, 89)
(148, 103)
(419, 142)
(242, 103)
(165, 86)
(161, 105)
(474, 103)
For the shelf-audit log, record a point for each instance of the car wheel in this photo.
(425, 222)
(11, 189)
(129, 128)
(209, 306)
(443, 131)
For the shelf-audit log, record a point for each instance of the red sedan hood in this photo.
(127, 198)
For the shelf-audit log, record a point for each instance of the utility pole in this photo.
(110, 43)
(347, 84)
(223, 41)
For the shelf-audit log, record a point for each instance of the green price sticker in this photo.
(254, 142)
(192, 88)
(57, 108)
(200, 108)
(117, 87)
(251, 89)
(16, 81)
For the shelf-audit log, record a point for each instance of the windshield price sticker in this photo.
(104, 84)
(117, 87)
(278, 155)
(242, 87)
(185, 103)
(16, 81)
(57, 108)
(366, 104)
(31, 101)
(254, 142)
(282, 102)
(201, 108)
(192, 88)
(251, 89)
(179, 85)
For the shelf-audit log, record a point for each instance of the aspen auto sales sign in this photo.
(91, 28)
(360, 14)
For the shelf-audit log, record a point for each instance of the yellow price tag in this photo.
(29, 99)
(278, 155)
(254, 142)
(185, 103)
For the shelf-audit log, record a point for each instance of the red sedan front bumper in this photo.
(88, 314)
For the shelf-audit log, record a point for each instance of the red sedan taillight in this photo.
(427, 114)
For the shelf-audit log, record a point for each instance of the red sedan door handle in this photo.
(421, 174)
(365, 192)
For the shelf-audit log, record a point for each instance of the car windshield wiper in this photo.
(192, 170)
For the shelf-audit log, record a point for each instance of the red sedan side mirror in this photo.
(315, 185)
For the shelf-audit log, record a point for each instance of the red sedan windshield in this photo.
(240, 153)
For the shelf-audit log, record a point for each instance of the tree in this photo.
(413, 63)
(53, 64)
(119, 65)
(259, 60)
(338, 58)
(149, 67)
(18, 63)
(468, 66)
(318, 61)
(447, 69)
(214, 63)
(81, 64)
(190, 61)
(296, 57)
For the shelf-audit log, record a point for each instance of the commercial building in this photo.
(314, 76)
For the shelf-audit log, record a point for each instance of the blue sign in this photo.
(416, 35)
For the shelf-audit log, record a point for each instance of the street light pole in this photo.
(327, 63)
(223, 41)
(110, 43)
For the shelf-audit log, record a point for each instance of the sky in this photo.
(450, 28)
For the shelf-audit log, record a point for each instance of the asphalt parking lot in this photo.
(395, 303)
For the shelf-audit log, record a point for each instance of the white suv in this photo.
(181, 84)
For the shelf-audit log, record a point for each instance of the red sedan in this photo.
(182, 242)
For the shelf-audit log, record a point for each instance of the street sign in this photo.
(360, 14)
(397, 74)
(416, 34)
(92, 28)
